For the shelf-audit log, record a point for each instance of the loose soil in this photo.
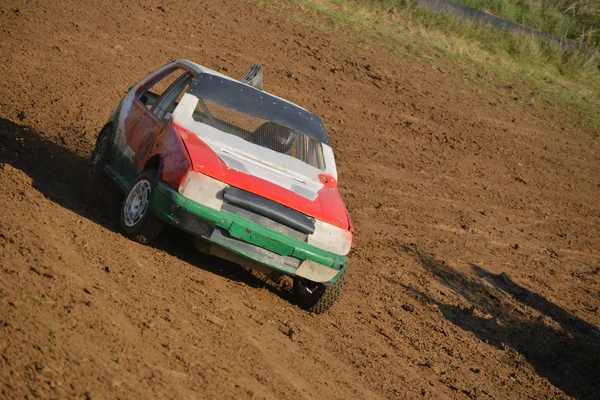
(476, 266)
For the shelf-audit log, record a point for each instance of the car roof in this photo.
(199, 68)
(241, 97)
(202, 69)
(302, 120)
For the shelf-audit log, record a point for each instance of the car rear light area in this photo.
(331, 238)
(202, 189)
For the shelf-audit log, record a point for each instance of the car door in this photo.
(142, 120)
(152, 123)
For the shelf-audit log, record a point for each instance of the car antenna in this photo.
(254, 77)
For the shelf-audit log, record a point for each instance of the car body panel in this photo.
(167, 204)
(327, 206)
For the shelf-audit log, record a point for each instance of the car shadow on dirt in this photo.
(560, 346)
(61, 175)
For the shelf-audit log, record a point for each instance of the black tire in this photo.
(99, 192)
(318, 298)
(101, 155)
(141, 226)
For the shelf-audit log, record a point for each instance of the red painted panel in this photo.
(144, 137)
(175, 161)
(328, 206)
(134, 115)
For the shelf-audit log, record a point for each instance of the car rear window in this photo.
(261, 132)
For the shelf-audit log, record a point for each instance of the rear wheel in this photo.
(101, 155)
(98, 191)
(317, 297)
(136, 220)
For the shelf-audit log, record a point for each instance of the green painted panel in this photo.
(249, 235)
(244, 229)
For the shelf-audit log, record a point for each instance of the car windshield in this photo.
(259, 118)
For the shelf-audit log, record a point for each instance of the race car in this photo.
(249, 175)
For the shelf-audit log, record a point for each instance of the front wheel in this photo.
(136, 220)
(317, 297)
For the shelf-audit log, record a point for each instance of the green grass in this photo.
(522, 48)
(577, 20)
(559, 77)
(388, 20)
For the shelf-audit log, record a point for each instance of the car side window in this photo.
(170, 99)
(158, 86)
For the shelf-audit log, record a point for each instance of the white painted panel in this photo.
(331, 238)
(280, 169)
(315, 272)
(203, 189)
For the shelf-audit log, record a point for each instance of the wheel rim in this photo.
(137, 202)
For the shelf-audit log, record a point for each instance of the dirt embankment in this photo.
(476, 269)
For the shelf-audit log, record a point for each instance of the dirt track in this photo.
(476, 268)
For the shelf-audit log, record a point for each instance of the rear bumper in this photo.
(280, 252)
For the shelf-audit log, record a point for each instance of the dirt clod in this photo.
(291, 333)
